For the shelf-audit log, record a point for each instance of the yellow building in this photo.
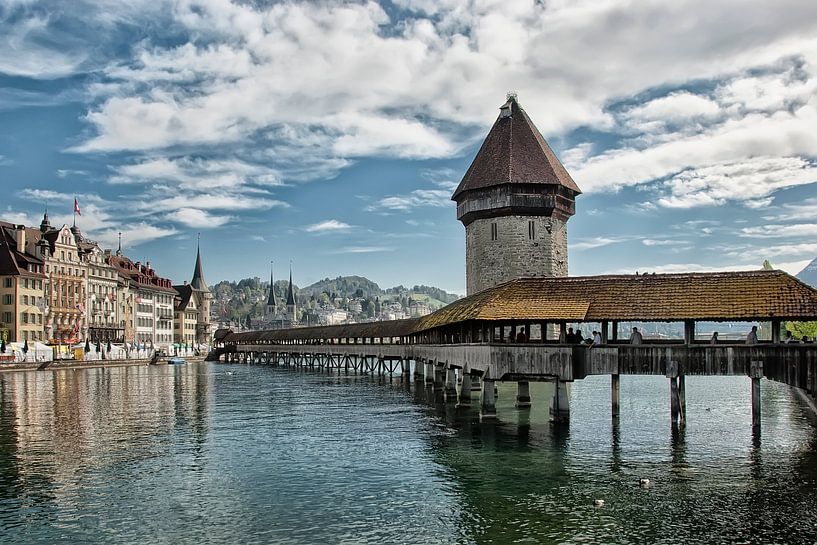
(22, 284)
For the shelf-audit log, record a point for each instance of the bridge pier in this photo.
(615, 395)
(487, 401)
(756, 372)
(439, 376)
(682, 400)
(464, 393)
(429, 374)
(560, 404)
(522, 395)
(450, 390)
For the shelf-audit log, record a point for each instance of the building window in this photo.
(9, 282)
(531, 230)
(494, 233)
(8, 299)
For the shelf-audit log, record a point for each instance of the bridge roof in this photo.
(748, 295)
(392, 328)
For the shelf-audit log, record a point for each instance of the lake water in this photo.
(215, 453)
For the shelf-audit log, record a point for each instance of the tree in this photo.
(802, 329)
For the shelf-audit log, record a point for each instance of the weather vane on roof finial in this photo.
(511, 95)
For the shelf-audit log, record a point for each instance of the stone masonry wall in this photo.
(513, 255)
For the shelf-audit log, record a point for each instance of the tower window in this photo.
(531, 230)
(494, 234)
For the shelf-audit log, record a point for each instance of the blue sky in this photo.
(332, 134)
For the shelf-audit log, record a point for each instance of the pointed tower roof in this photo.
(271, 299)
(290, 295)
(45, 225)
(198, 275)
(514, 152)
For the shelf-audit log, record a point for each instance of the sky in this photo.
(331, 135)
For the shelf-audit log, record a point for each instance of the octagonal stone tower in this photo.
(514, 201)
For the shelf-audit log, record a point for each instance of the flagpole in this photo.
(75, 210)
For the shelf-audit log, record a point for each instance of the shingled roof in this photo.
(514, 152)
(391, 328)
(749, 295)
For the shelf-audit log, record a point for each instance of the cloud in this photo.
(417, 198)
(597, 242)
(798, 230)
(805, 210)
(663, 242)
(193, 217)
(425, 81)
(683, 268)
(328, 226)
(363, 249)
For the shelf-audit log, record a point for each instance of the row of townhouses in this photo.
(59, 288)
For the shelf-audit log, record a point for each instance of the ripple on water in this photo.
(192, 454)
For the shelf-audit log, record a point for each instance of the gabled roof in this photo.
(514, 152)
(290, 294)
(185, 292)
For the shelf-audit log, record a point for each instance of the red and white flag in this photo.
(76, 207)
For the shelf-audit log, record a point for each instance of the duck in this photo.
(229, 373)
(643, 483)
(598, 503)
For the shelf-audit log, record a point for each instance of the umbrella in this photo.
(25, 347)
(98, 346)
(109, 345)
(87, 346)
(2, 346)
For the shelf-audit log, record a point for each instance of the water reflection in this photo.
(215, 453)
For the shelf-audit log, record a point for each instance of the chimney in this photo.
(20, 231)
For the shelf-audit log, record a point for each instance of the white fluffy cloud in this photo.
(328, 226)
(371, 85)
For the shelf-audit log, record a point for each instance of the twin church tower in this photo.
(514, 201)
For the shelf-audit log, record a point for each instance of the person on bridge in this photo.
(521, 337)
(789, 338)
(714, 338)
(596, 339)
(578, 338)
(571, 337)
(751, 338)
(635, 337)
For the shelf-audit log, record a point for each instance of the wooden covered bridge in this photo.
(477, 340)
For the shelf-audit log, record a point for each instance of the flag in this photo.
(76, 207)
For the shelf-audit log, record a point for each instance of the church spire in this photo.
(45, 225)
(290, 294)
(271, 303)
(198, 275)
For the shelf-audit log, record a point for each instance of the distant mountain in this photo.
(365, 300)
(809, 274)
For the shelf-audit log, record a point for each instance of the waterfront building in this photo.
(419, 308)
(66, 283)
(22, 284)
(151, 299)
(104, 311)
(514, 201)
(193, 303)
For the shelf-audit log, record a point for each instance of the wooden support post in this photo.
(689, 331)
(543, 331)
(682, 399)
(775, 330)
(450, 391)
(672, 374)
(562, 331)
(756, 372)
(464, 388)
(487, 401)
(614, 333)
(439, 376)
(605, 327)
(615, 395)
(527, 332)
(522, 395)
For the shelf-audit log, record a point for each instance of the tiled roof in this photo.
(392, 328)
(650, 297)
(185, 292)
(514, 152)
